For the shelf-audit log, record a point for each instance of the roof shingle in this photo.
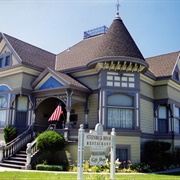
(32, 55)
(116, 42)
(163, 65)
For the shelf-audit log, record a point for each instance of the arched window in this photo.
(4, 99)
(3, 110)
(120, 110)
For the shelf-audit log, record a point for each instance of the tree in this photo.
(10, 133)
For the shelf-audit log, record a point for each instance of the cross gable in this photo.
(8, 57)
(51, 82)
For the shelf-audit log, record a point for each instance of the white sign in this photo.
(97, 160)
(98, 142)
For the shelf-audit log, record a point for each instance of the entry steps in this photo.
(17, 161)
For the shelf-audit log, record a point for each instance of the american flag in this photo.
(56, 114)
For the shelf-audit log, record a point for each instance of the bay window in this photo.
(177, 120)
(120, 111)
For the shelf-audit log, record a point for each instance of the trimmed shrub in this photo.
(165, 146)
(157, 155)
(49, 167)
(152, 147)
(50, 141)
(10, 133)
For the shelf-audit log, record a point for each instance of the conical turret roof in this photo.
(118, 42)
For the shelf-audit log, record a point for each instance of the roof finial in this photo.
(117, 13)
(117, 5)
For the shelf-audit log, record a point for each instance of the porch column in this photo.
(68, 111)
(86, 112)
(68, 107)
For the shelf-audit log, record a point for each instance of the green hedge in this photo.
(49, 167)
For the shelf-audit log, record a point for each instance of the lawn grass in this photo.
(18, 175)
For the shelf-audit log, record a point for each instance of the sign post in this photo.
(98, 140)
(113, 154)
(80, 152)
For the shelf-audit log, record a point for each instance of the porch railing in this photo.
(17, 144)
(23, 140)
(32, 150)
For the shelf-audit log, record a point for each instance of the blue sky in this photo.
(55, 25)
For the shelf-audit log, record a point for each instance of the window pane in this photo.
(3, 102)
(176, 125)
(120, 118)
(162, 112)
(162, 125)
(120, 100)
(2, 118)
(1, 62)
(22, 103)
(122, 154)
(176, 112)
(7, 63)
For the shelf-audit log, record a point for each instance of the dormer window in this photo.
(8, 61)
(5, 59)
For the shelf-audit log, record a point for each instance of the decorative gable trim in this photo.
(12, 49)
(48, 82)
(176, 70)
(44, 76)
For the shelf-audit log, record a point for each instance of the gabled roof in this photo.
(79, 55)
(31, 55)
(163, 65)
(116, 42)
(64, 79)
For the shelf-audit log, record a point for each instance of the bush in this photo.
(156, 155)
(10, 133)
(49, 167)
(152, 147)
(165, 146)
(141, 167)
(50, 141)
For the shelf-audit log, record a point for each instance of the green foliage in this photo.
(10, 133)
(165, 146)
(141, 167)
(104, 168)
(157, 155)
(49, 167)
(50, 141)
(152, 147)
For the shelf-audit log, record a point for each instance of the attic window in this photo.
(176, 74)
(95, 32)
(5, 59)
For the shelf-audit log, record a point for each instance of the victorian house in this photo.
(104, 79)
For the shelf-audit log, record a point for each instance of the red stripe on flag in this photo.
(56, 114)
